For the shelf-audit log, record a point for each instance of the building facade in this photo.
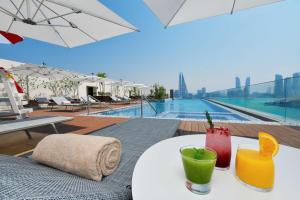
(182, 89)
(237, 82)
(279, 86)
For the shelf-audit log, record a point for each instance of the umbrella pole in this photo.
(27, 87)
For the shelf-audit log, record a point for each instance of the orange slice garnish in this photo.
(268, 144)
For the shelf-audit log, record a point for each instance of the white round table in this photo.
(159, 174)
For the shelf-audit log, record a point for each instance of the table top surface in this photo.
(159, 174)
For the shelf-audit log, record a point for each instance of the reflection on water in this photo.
(184, 107)
(266, 105)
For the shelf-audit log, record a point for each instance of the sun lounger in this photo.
(95, 102)
(42, 100)
(22, 178)
(39, 102)
(16, 110)
(118, 100)
(7, 114)
(63, 102)
(114, 98)
(89, 99)
(127, 98)
(72, 100)
(27, 123)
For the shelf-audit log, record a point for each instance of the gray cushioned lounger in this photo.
(22, 178)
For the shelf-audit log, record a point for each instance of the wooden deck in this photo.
(285, 135)
(17, 142)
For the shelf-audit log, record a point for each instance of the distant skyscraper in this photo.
(296, 83)
(204, 92)
(237, 92)
(201, 93)
(269, 90)
(237, 82)
(247, 82)
(247, 87)
(182, 89)
(288, 87)
(278, 86)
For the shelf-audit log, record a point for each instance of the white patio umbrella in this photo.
(127, 85)
(116, 86)
(140, 87)
(110, 82)
(87, 78)
(68, 23)
(40, 71)
(172, 12)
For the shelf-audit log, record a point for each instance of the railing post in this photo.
(88, 105)
(285, 82)
(142, 111)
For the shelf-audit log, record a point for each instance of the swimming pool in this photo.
(281, 113)
(177, 109)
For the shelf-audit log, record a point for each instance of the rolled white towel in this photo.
(84, 155)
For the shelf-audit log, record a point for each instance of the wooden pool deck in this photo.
(289, 136)
(16, 143)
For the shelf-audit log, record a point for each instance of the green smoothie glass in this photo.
(198, 163)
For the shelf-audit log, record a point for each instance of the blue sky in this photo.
(257, 42)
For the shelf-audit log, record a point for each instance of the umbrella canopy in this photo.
(140, 86)
(9, 38)
(27, 72)
(87, 78)
(67, 23)
(172, 12)
(42, 71)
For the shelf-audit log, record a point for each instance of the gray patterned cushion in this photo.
(22, 178)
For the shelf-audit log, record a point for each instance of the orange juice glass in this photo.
(254, 169)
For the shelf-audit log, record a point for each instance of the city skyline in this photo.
(279, 81)
(257, 42)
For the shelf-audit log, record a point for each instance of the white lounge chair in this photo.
(27, 123)
(116, 99)
(90, 100)
(63, 102)
(119, 100)
(126, 98)
(10, 100)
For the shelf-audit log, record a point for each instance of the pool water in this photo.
(177, 109)
(261, 104)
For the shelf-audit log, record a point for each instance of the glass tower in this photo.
(247, 87)
(182, 89)
(237, 82)
(279, 87)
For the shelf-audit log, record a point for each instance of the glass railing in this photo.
(279, 99)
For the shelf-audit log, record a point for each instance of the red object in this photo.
(219, 139)
(11, 37)
(18, 87)
(9, 75)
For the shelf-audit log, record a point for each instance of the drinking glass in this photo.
(198, 168)
(219, 139)
(254, 169)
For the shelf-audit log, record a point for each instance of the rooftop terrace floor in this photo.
(285, 135)
(18, 143)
